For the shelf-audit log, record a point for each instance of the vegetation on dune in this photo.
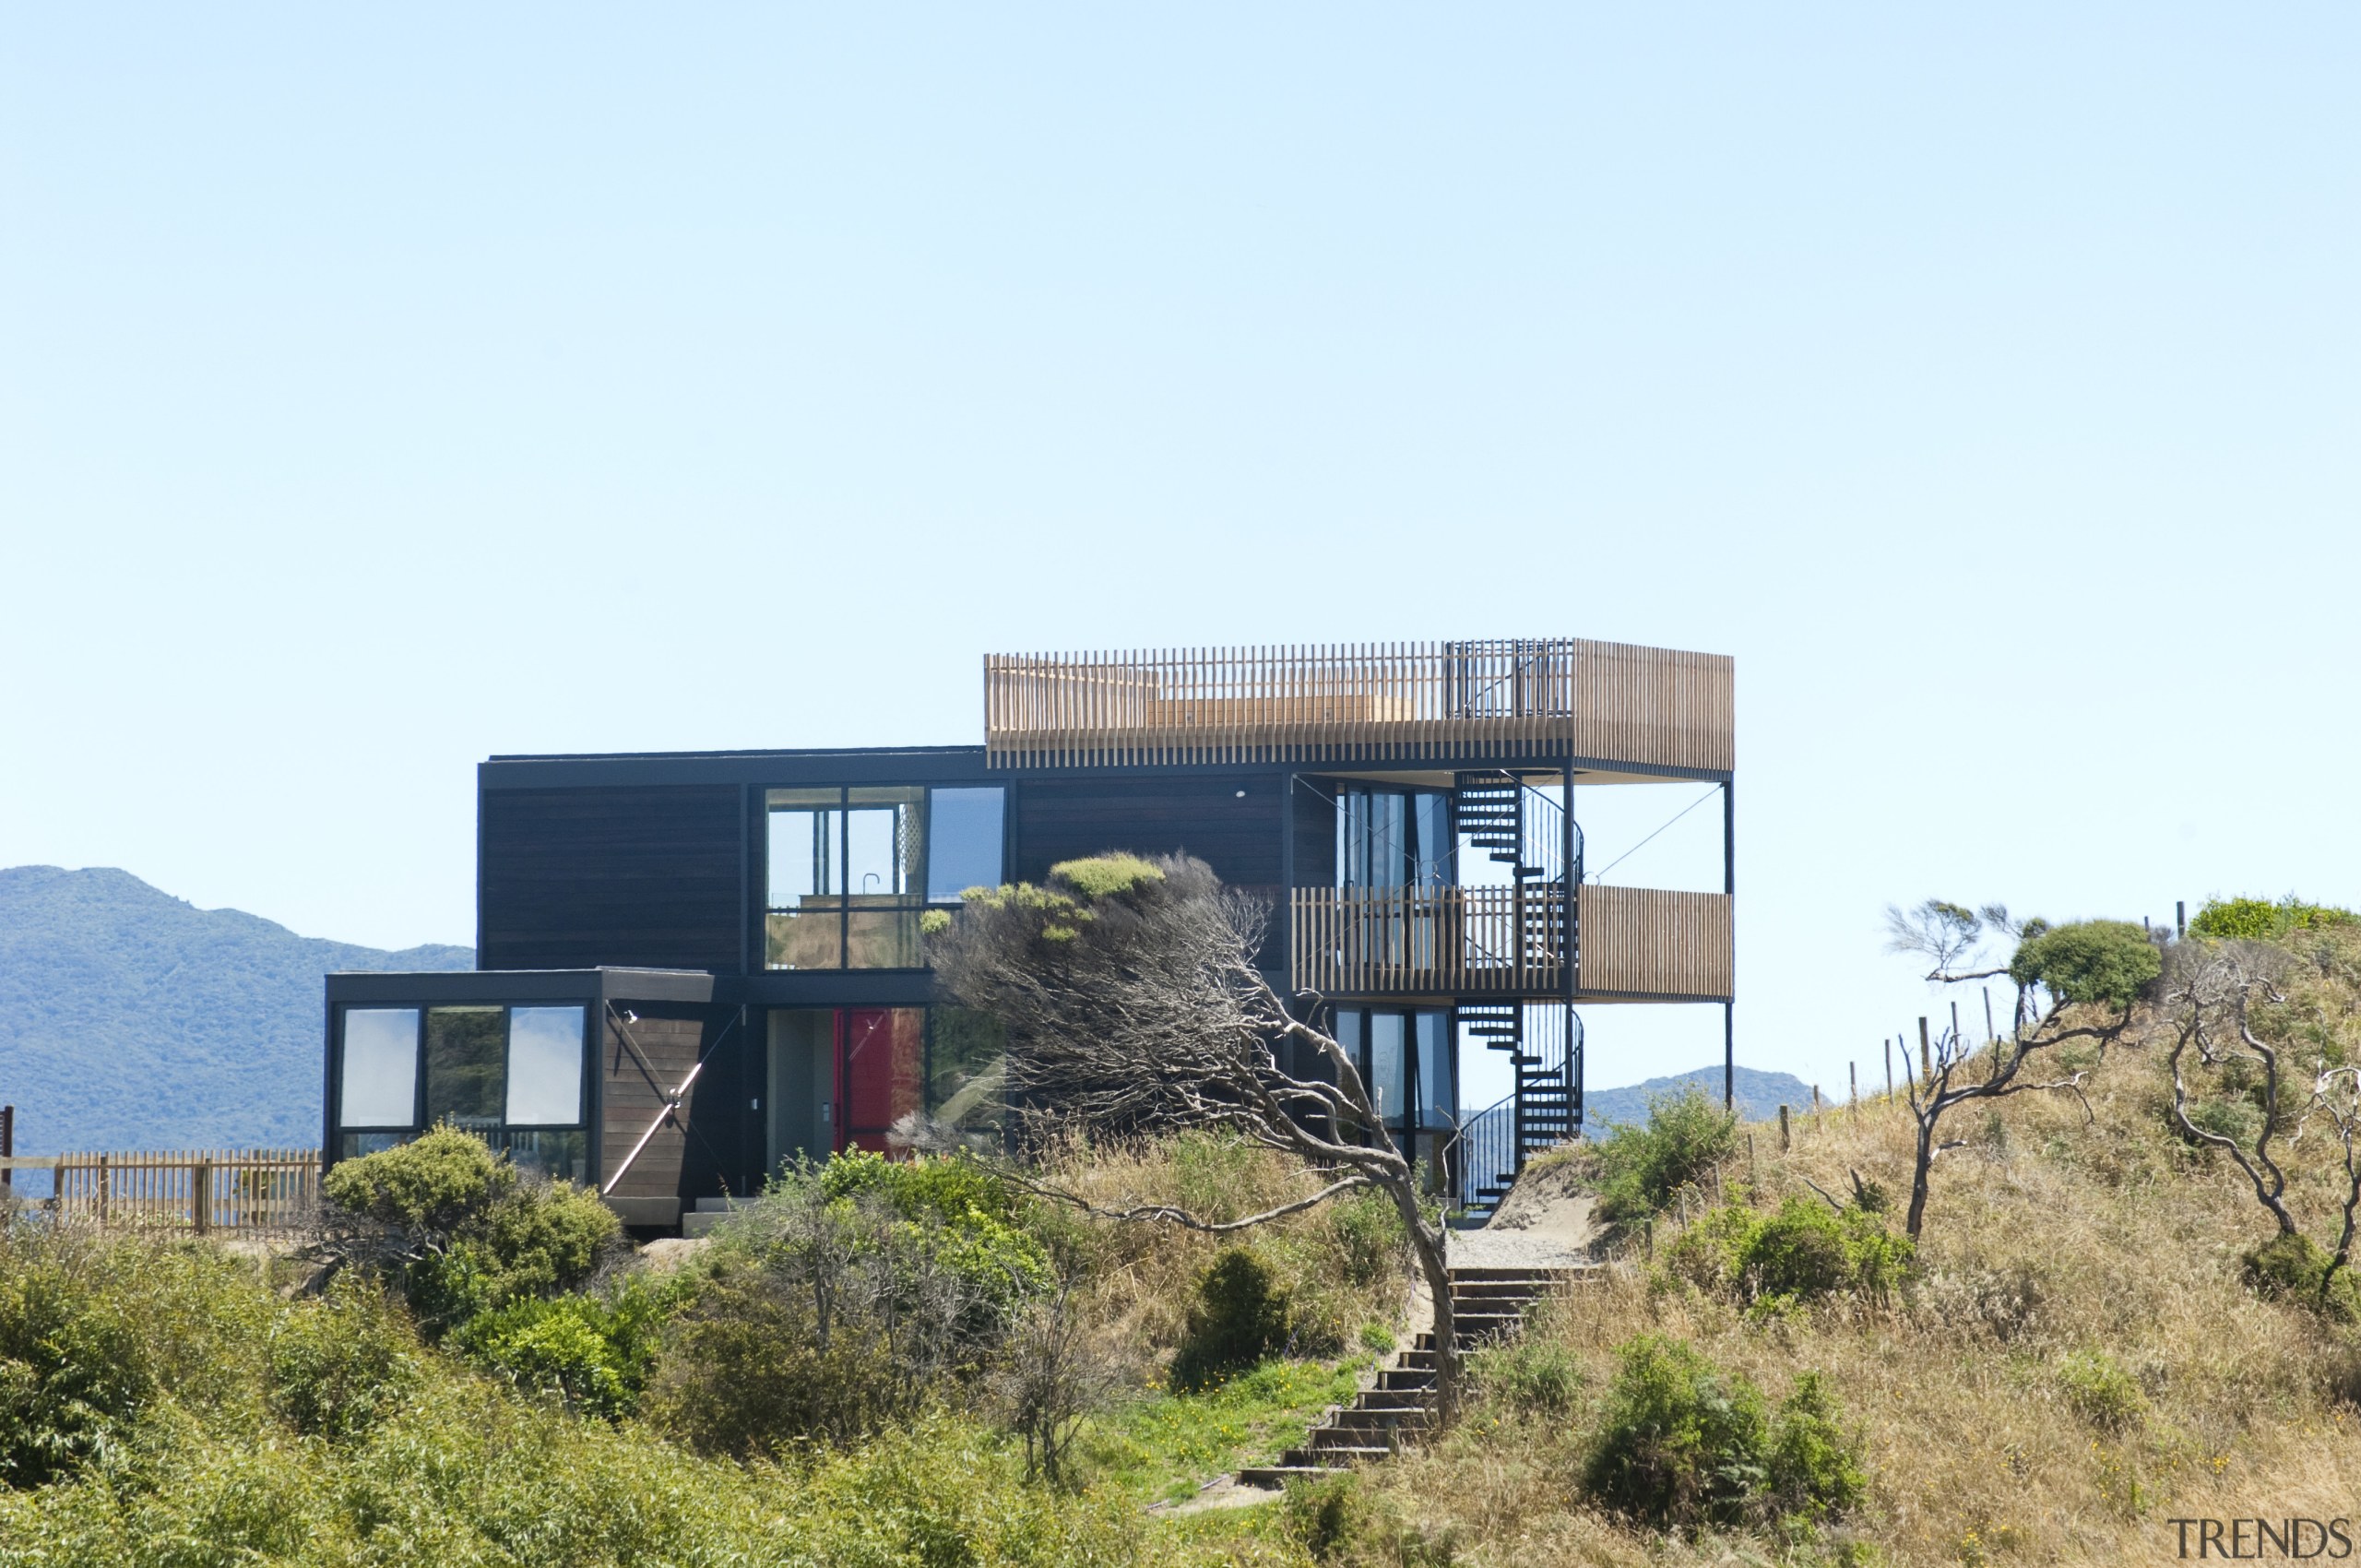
(2103, 1326)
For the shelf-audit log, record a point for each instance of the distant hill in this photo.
(1760, 1095)
(132, 1020)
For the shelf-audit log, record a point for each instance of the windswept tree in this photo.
(2252, 1067)
(2077, 982)
(1132, 1001)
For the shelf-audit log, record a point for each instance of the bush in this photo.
(2109, 963)
(594, 1351)
(75, 1368)
(1530, 1375)
(1639, 1169)
(1682, 1443)
(1240, 1318)
(2260, 920)
(1802, 1252)
(847, 1295)
(489, 1235)
(2293, 1268)
(340, 1364)
(2100, 1391)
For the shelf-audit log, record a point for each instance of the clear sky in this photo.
(383, 389)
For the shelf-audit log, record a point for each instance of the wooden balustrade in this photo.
(1649, 944)
(1443, 941)
(1555, 697)
(1637, 944)
(242, 1192)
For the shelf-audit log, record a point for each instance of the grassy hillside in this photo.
(130, 1018)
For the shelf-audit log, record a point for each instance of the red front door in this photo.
(881, 1056)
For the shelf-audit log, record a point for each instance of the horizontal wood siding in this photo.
(1553, 697)
(1651, 945)
(1314, 814)
(626, 876)
(1062, 820)
(631, 1099)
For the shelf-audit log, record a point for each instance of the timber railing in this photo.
(1637, 944)
(1541, 697)
(204, 1191)
(1653, 944)
(1438, 941)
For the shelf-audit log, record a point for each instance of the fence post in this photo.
(1816, 1124)
(1782, 1129)
(1889, 1069)
(201, 1195)
(1853, 1091)
(106, 1191)
(1926, 1054)
(8, 1151)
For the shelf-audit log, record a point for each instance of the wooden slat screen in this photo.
(249, 1192)
(1425, 941)
(1648, 942)
(1509, 697)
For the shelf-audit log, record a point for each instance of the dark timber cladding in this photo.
(639, 875)
(1231, 822)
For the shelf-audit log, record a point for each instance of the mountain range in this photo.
(132, 1019)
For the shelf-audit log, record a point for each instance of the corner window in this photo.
(849, 872)
(513, 1075)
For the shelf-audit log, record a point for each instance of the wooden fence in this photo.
(1511, 698)
(205, 1192)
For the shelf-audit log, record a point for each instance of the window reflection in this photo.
(463, 1067)
(964, 833)
(544, 1067)
(380, 1069)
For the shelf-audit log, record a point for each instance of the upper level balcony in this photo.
(1599, 706)
(1631, 944)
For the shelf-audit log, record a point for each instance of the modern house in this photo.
(695, 965)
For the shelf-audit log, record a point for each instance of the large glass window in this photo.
(464, 1066)
(544, 1067)
(1393, 838)
(380, 1070)
(1408, 1064)
(514, 1075)
(964, 839)
(851, 871)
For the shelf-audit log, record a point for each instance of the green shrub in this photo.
(1682, 1443)
(1241, 1317)
(1370, 1245)
(594, 1351)
(2109, 963)
(1639, 1169)
(1802, 1252)
(340, 1364)
(75, 1366)
(1679, 1442)
(2260, 919)
(2295, 1268)
(1530, 1375)
(1813, 1468)
(2100, 1391)
(489, 1235)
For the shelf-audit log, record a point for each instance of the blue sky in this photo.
(378, 392)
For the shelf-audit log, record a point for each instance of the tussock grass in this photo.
(2077, 1361)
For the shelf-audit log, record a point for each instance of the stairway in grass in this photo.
(1487, 1305)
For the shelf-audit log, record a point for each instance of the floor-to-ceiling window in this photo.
(851, 871)
(1407, 1063)
(515, 1074)
(1396, 848)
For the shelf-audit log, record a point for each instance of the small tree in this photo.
(2092, 972)
(2229, 1004)
(1132, 999)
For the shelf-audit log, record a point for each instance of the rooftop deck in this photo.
(1603, 704)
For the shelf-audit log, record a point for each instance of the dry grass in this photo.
(1343, 1263)
(2048, 1240)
